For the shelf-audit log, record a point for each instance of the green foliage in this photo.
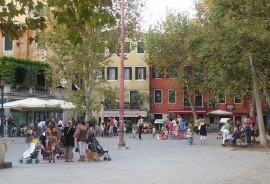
(76, 15)
(88, 25)
(9, 66)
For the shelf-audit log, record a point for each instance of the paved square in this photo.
(147, 161)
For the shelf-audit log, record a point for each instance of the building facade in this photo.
(169, 98)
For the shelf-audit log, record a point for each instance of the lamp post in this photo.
(2, 84)
(122, 144)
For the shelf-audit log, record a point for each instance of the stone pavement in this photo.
(147, 161)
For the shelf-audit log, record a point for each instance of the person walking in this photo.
(203, 131)
(140, 127)
(69, 132)
(81, 138)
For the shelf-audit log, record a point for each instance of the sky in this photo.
(156, 10)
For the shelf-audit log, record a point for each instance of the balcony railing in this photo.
(25, 91)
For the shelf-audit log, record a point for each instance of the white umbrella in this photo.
(29, 103)
(220, 112)
(62, 104)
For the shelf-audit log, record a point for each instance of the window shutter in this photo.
(108, 74)
(144, 73)
(130, 73)
(116, 73)
(136, 73)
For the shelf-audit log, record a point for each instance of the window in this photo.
(237, 98)
(221, 98)
(112, 73)
(211, 103)
(127, 73)
(186, 101)
(187, 72)
(8, 44)
(140, 49)
(158, 96)
(172, 96)
(127, 47)
(134, 99)
(140, 73)
(198, 99)
(157, 74)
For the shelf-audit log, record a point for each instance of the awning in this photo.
(187, 111)
(126, 113)
(220, 112)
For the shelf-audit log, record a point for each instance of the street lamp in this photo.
(2, 84)
(122, 144)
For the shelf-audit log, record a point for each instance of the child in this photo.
(134, 131)
(190, 135)
(154, 131)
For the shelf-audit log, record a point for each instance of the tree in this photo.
(239, 32)
(18, 16)
(167, 52)
(83, 63)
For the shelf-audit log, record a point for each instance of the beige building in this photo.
(136, 81)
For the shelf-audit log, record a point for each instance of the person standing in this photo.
(81, 139)
(41, 127)
(69, 132)
(140, 127)
(247, 122)
(52, 141)
(61, 125)
(111, 125)
(226, 131)
(203, 131)
(10, 125)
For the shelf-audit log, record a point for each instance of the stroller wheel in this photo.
(105, 158)
(37, 161)
(109, 159)
(20, 161)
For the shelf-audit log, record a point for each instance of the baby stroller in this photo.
(232, 138)
(31, 153)
(94, 146)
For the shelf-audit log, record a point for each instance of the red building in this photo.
(168, 97)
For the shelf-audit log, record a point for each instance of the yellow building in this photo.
(136, 81)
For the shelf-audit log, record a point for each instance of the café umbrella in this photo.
(30, 104)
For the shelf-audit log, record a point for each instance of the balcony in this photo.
(26, 91)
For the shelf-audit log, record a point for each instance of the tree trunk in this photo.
(252, 106)
(263, 140)
(192, 105)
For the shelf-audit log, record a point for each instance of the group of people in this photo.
(178, 126)
(53, 135)
(239, 130)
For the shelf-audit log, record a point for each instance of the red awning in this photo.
(187, 111)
